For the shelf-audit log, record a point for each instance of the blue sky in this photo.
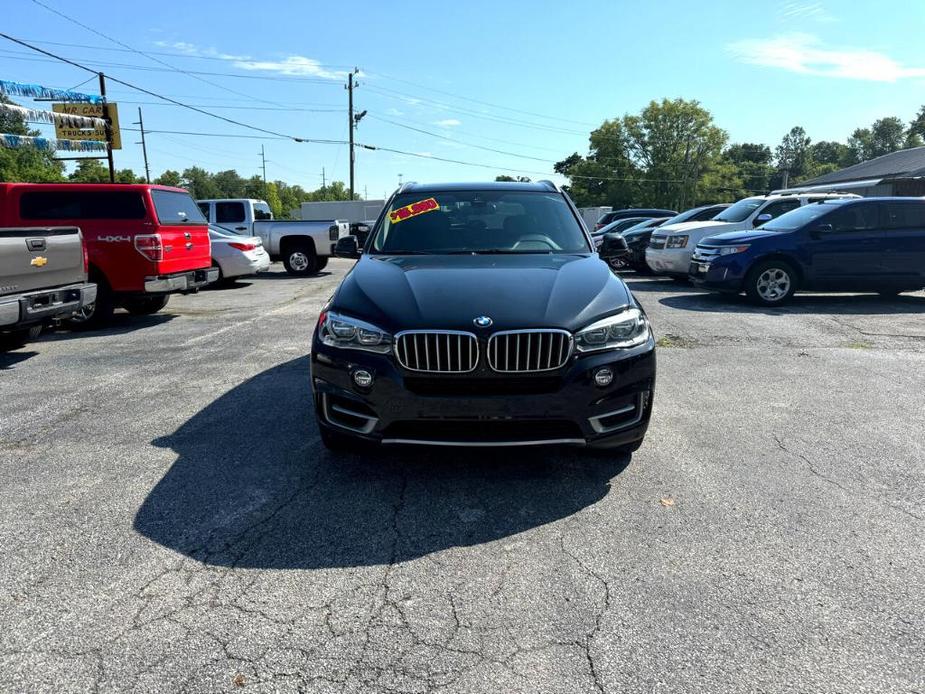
(530, 79)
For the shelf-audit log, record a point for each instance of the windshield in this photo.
(647, 224)
(793, 220)
(684, 216)
(740, 211)
(493, 221)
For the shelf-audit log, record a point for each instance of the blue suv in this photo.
(850, 245)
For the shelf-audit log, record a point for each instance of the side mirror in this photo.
(825, 227)
(347, 247)
(761, 219)
(613, 246)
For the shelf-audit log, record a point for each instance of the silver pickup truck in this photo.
(304, 246)
(43, 278)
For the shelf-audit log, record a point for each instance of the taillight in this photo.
(243, 246)
(86, 258)
(151, 246)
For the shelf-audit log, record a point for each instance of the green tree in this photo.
(199, 183)
(887, 135)
(512, 179)
(127, 176)
(169, 178)
(753, 164)
(229, 184)
(90, 171)
(25, 164)
(793, 153)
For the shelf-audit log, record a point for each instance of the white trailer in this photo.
(591, 214)
(351, 210)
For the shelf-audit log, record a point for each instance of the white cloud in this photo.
(293, 65)
(802, 11)
(448, 122)
(806, 54)
(392, 111)
(198, 51)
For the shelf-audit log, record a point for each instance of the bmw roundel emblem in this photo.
(482, 321)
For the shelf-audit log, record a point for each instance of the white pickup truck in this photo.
(304, 247)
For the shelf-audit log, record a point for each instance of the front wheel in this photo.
(300, 260)
(146, 305)
(322, 263)
(771, 283)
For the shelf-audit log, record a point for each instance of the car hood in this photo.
(447, 292)
(731, 238)
(682, 227)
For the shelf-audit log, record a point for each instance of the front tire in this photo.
(300, 260)
(146, 305)
(771, 283)
(339, 443)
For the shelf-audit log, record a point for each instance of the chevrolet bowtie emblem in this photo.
(39, 261)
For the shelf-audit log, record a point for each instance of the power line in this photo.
(220, 58)
(484, 103)
(242, 108)
(142, 53)
(143, 68)
(526, 171)
(450, 139)
(155, 94)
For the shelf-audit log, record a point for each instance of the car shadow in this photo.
(252, 486)
(270, 275)
(832, 304)
(120, 324)
(233, 283)
(10, 359)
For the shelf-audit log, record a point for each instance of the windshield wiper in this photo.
(403, 252)
(507, 251)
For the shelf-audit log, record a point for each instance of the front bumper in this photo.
(484, 408)
(44, 305)
(669, 261)
(722, 274)
(181, 281)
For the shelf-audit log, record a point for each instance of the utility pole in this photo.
(144, 147)
(785, 178)
(263, 158)
(323, 181)
(352, 121)
(112, 168)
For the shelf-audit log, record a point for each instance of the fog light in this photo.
(364, 379)
(604, 376)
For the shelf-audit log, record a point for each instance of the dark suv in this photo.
(480, 315)
(848, 245)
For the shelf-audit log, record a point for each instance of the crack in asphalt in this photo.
(812, 468)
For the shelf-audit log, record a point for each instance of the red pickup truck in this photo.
(144, 242)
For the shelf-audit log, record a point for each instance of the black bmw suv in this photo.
(480, 315)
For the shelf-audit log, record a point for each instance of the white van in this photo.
(671, 247)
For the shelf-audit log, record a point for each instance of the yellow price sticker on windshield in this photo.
(413, 210)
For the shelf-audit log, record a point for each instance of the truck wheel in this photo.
(322, 263)
(146, 305)
(771, 283)
(300, 260)
(97, 314)
(17, 338)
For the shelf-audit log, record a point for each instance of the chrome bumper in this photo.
(45, 304)
(183, 282)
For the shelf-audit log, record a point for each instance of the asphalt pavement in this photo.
(170, 521)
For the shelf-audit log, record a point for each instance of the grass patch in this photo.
(859, 344)
(674, 341)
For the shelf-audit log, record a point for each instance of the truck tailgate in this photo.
(40, 257)
(185, 248)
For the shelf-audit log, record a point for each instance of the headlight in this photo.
(626, 329)
(677, 242)
(336, 330)
(729, 250)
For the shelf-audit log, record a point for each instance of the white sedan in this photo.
(237, 256)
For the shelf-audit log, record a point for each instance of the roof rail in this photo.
(404, 186)
(550, 185)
